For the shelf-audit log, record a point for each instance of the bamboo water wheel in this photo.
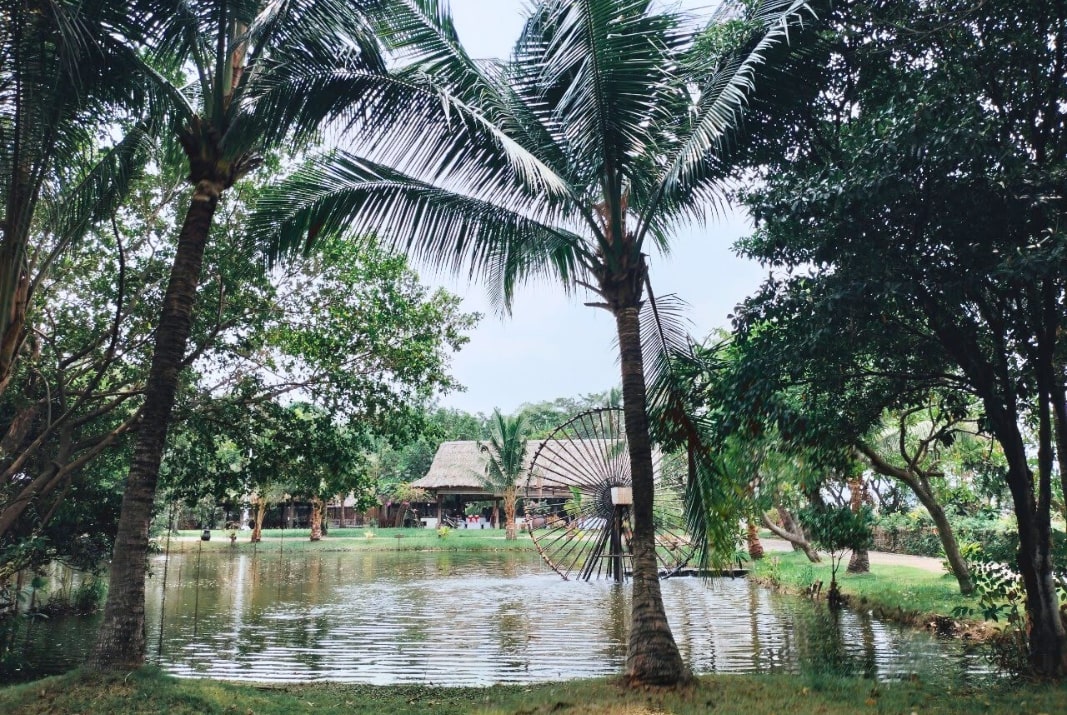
(578, 501)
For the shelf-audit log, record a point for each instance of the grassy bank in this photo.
(900, 593)
(148, 691)
(364, 539)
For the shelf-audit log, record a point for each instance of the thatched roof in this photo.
(458, 467)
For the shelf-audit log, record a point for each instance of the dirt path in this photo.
(926, 563)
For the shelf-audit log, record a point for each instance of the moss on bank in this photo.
(148, 691)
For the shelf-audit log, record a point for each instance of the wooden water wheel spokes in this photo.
(578, 501)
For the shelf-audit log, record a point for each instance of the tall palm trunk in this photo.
(261, 513)
(653, 657)
(860, 561)
(121, 641)
(755, 546)
(510, 532)
(16, 284)
(316, 519)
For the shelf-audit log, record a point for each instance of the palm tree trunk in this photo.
(755, 547)
(316, 519)
(120, 644)
(860, 561)
(653, 657)
(510, 533)
(261, 513)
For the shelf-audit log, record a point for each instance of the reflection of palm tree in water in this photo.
(615, 622)
(870, 660)
(753, 619)
(820, 642)
(513, 635)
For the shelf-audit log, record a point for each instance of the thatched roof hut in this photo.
(458, 467)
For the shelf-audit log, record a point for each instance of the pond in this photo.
(475, 619)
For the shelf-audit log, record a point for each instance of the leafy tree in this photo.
(611, 123)
(914, 447)
(68, 70)
(322, 459)
(543, 417)
(836, 530)
(506, 451)
(76, 404)
(919, 208)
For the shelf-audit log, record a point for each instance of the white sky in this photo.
(554, 346)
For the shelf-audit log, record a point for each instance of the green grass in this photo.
(354, 540)
(148, 691)
(900, 592)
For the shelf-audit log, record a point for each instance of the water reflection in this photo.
(473, 619)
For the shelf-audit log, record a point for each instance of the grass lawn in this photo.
(148, 691)
(363, 539)
(902, 593)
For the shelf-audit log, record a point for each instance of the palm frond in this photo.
(94, 194)
(422, 35)
(406, 121)
(595, 66)
(505, 451)
(690, 178)
(343, 193)
(713, 500)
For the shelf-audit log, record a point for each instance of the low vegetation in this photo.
(362, 539)
(149, 691)
(900, 593)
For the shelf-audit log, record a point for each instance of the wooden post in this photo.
(440, 510)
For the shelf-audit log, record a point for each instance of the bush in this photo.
(916, 534)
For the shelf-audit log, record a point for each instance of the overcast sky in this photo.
(554, 346)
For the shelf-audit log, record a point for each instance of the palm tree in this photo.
(506, 451)
(262, 74)
(609, 126)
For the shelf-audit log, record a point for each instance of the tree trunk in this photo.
(120, 644)
(790, 524)
(755, 548)
(1059, 424)
(1046, 629)
(510, 533)
(261, 513)
(951, 547)
(796, 539)
(316, 519)
(860, 562)
(920, 489)
(653, 657)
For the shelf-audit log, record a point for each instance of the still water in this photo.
(476, 619)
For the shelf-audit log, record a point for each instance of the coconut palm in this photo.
(605, 130)
(506, 452)
(258, 70)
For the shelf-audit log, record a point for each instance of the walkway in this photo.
(926, 563)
